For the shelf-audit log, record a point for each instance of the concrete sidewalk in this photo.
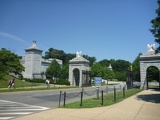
(142, 106)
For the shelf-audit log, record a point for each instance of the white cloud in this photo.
(12, 37)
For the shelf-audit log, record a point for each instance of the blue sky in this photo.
(105, 29)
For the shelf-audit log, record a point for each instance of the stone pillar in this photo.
(80, 78)
(143, 76)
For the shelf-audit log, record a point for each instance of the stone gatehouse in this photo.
(35, 65)
(147, 60)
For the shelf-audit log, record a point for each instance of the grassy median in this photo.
(108, 100)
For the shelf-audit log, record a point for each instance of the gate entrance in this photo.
(86, 78)
(152, 78)
(76, 76)
(150, 68)
(79, 71)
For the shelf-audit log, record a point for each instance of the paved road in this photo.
(34, 101)
(9, 109)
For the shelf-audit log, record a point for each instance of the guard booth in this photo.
(79, 71)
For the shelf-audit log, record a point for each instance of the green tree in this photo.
(120, 65)
(96, 70)
(120, 75)
(91, 60)
(153, 72)
(105, 62)
(107, 73)
(156, 27)
(9, 63)
(68, 57)
(54, 53)
(60, 54)
(119, 68)
(64, 72)
(53, 70)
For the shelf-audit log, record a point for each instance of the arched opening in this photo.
(153, 81)
(76, 76)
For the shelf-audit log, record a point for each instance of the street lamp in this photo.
(131, 76)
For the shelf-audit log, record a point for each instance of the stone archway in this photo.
(147, 61)
(76, 76)
(76, 67)
(153, 77)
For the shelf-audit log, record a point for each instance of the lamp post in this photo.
(131, 76)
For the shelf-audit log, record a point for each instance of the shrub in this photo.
(62, 82)
(37, 80)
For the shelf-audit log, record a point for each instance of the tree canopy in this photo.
(53, 70)
(97, 70)
(65, 57)
(156, 27)
(9, 63)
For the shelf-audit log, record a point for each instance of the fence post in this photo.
(60, 98)
(106, 89)
(123, 92)
(114, 94)
(102, 97)
(81, 98)
(97, 92)
(64, 98)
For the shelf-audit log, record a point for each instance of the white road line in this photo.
(43, 108)
(6, 118)
(17, 113)
(20, 110)
(31, 107)
(10, 109)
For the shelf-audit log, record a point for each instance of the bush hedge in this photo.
(58, 81)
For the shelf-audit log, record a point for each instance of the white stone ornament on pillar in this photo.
(151, 49)
(78, 54)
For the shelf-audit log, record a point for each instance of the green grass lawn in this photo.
(25, 86)
(108, 100)
(18, 83)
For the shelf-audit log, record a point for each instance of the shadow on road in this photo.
(153, 98)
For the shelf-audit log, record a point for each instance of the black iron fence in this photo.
(108, 90)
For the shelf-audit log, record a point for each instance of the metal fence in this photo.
(108, 90)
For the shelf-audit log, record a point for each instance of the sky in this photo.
(104, 29)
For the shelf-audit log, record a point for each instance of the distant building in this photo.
(35, 65)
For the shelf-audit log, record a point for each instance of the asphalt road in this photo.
(49, 98)
(45, 98)
(22, 103)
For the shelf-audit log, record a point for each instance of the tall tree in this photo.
(120, 65)
(96, 70)
(9, 63)
(60, 54)
(91, 60)
(105, 62)
(107, 73)
(53, 70)
(156, 27)
(64, 72)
